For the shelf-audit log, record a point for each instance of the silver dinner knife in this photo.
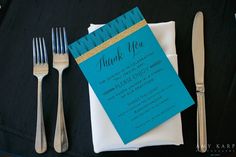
(198, 61)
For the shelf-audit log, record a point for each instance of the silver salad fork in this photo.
(40, 69)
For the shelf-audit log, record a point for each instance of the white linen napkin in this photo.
(104, 135)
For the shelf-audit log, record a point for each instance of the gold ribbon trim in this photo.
(111, 41)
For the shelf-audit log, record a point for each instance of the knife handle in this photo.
(201, 123)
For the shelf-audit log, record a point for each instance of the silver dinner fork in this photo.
(40, 69)
(60, 62)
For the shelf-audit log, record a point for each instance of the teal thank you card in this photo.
(131, 75)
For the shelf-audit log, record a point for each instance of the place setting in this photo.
(135, 94)
(101, 78)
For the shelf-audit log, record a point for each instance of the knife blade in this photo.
(198, 53)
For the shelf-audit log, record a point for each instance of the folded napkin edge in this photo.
(167, 22)
(102, 149)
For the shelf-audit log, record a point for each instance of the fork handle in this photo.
(60, 138)
(40, 139)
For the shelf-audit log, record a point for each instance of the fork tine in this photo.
(53, 41)
(61, 41)
(41, 51)
(57, 41)
(65, 40)
(37, 50)
(45, 52)
(34, 57)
